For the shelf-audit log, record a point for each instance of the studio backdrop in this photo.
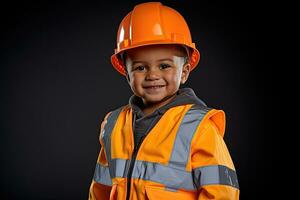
(57, 84)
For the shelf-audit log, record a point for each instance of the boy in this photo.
(166, 144)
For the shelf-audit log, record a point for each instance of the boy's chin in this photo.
(153, 100)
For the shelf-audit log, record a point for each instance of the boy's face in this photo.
(155, 72)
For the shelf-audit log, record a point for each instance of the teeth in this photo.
(156, 86)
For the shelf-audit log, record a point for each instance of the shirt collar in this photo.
(183, 96)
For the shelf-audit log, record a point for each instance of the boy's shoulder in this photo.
(120, 108)
(116, 111)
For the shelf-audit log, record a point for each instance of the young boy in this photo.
(166, 144)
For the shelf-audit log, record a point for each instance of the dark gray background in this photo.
(57, 83)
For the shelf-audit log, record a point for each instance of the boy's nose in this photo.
(152, 74)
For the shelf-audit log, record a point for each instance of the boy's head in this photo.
(153, 23)
(155, 39)
(155, 72)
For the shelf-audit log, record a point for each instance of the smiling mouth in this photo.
(154, 87)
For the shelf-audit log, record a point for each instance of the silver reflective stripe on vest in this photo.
(171, 177)
(106, 133)
(102, 175)
(184, 136)
(119, 167)
(215, 174)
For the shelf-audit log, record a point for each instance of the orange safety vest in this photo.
(182, 157)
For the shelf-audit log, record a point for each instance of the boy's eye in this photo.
(164, 66)
(139, 68)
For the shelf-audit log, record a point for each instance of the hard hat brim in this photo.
(117, 63)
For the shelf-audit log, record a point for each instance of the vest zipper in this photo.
(132, 161)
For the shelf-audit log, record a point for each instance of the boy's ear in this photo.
(185, 72)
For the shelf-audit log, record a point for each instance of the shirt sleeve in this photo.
(213, 170)
(101, 184)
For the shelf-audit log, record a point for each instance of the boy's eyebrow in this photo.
(160, 60)
(166, 59)
(137, 61)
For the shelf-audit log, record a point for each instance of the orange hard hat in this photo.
(152, 23)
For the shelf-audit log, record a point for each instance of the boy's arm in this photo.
(101, 184)
(213, 169)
